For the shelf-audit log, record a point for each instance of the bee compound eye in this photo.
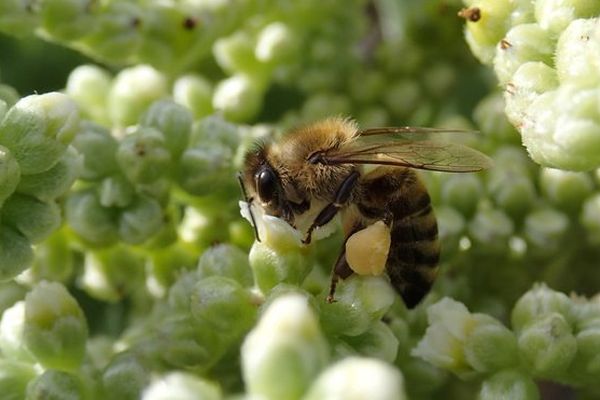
(266, 184)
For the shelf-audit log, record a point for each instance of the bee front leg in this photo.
(341, 198)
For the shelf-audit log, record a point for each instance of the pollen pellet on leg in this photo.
(367, 250)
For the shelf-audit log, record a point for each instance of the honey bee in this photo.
(318, 171)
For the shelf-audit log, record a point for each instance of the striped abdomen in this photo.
(415, 249)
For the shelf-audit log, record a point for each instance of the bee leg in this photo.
(341, 270)
(341, 197)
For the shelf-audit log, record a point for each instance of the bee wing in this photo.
(422, 154)
(408, 132)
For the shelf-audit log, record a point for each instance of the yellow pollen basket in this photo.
(367, 250)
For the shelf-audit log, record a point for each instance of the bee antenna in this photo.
(249, 202)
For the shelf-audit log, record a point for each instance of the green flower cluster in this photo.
(545, 56)
(37, 165)
(127, 272)
(554, 337)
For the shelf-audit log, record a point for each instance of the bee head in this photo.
(264, 185)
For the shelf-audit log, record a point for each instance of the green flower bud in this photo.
(566, 190)
(490, 345)
(56, 385)
(449, 325)
(238, 97)
(38, 129)
(113, 273)
(214, 129)
(276, 43)
(271, 266)
(12, 326)
(55, 329)
(235, 53)
(483, 33)
(285, 351)
(98, 148)
(181, 386)
(223, 305)
(88, 85)
(590, 218)
(133, 90)
(227, 261)
(556, 15)
(545, 231)
(54, 258)
(10, 174)
(537, 303)
(241, 234)
(143, 155)
(528, 82)
(358, 378)
(16, 253)
(206, 169)
(378, 342)
(513, 191)
(10, 293)
(201, 227)
(491, 230)
(89, 219)
(186, 344)
(586, 365)
(523, 43)
(462, 192)
(167, 233)
(194, 92)
(165, 37)
(509, 385)
(180, 292)
(32, 218)
(116, 191)
(140, 220)
(48, 185)
(566, 137)
(125, 377)
(577, 52)
(548, 346)
(173, 121)
(166, 264)
(67, 19)
(359, 302)
(465, 343)
(14, 378)
(117, 34)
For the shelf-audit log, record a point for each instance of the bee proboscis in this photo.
(318, 171)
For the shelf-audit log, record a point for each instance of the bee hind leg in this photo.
(341, 270)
